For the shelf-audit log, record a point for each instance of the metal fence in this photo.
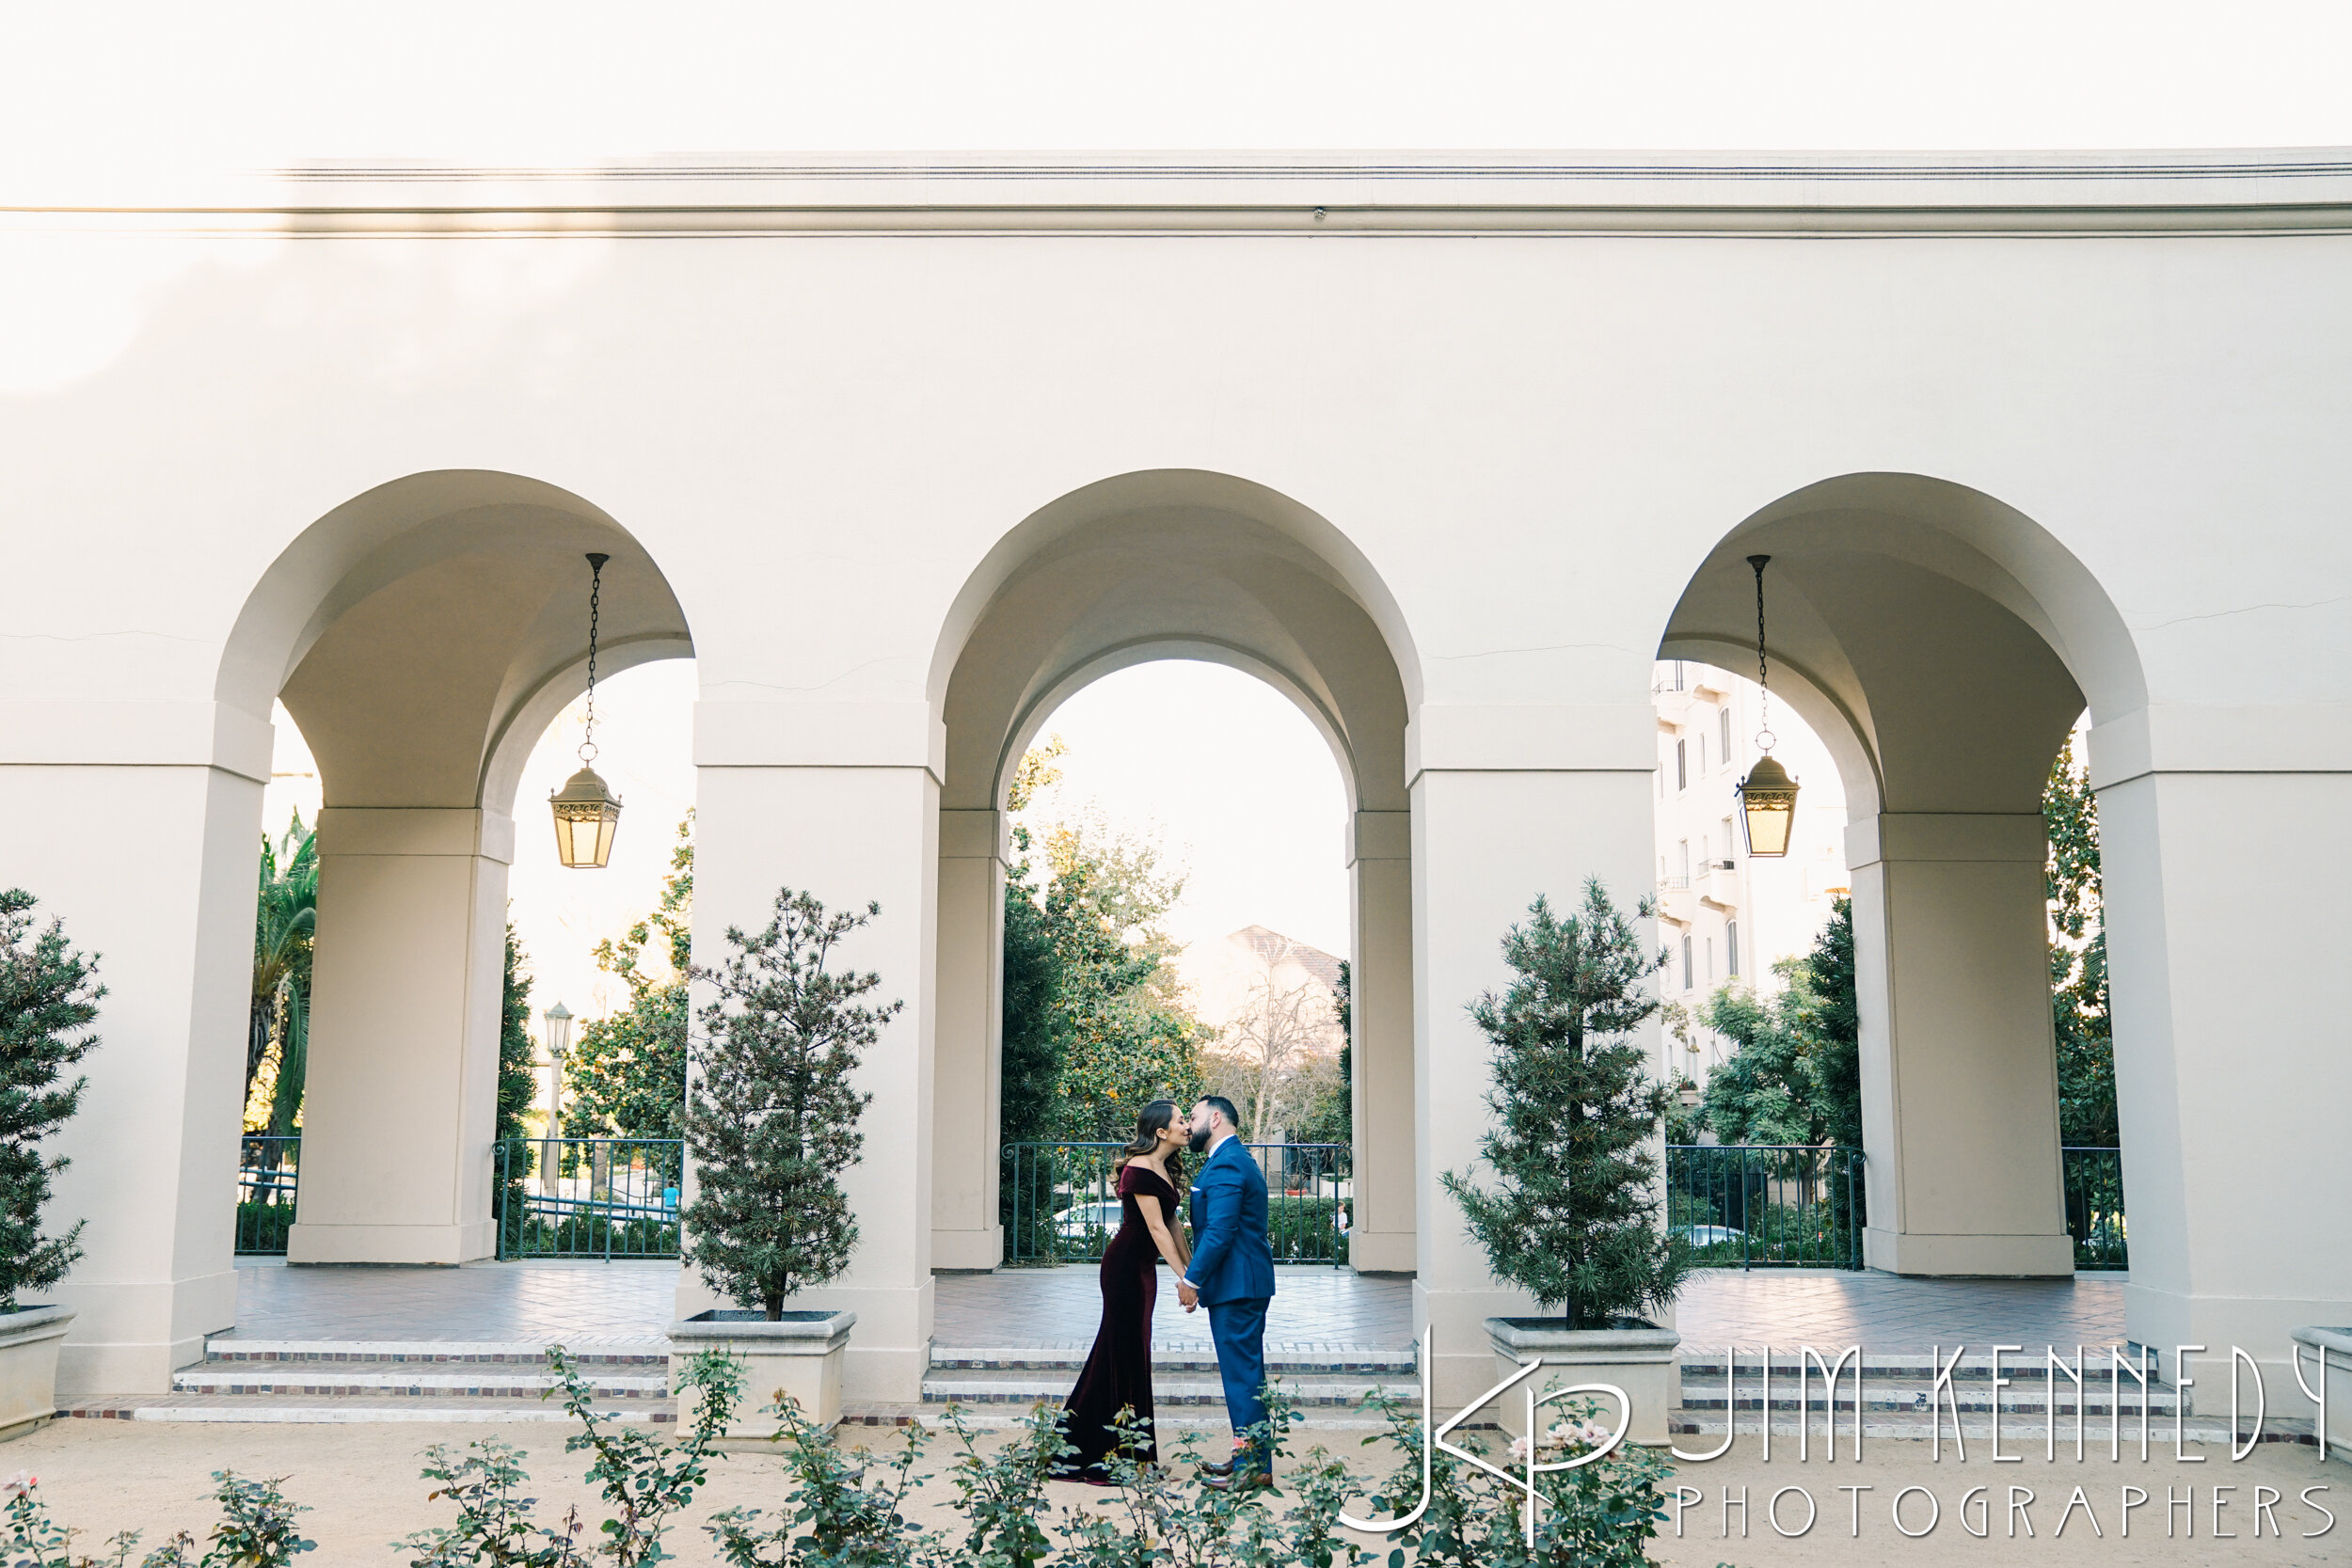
(1060, 1202)
(1747, 1206)
(2095, 1206)
(269, 1182)
(587, 1197)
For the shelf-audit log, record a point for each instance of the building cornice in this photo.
(1794, 195)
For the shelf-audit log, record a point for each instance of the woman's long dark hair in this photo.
(1148, 1124)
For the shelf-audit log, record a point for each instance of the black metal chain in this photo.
(1764, 703)
(596, 610)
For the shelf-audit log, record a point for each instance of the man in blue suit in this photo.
(1232, 1276)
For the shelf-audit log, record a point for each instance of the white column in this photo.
(842, 800)
(400, 1103)
(1380, 871)
(148, 853)
(965, 1233)
(1958, 1075)
(2233, 1087)
(1487, 837)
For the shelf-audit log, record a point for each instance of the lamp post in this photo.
(559, 1023)
(1768, 796)
(587, 813)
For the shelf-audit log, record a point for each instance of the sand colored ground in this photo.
(361, 1482)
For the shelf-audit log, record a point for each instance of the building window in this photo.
(1711, 960)
(1686, 963)
(1731, 948)
(1682, 770)
(1702, 756)
(1723, 726)
(1682, 849)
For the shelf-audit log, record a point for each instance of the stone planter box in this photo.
(1637, 1358)
(800, 1355)
(2337, 1345)
(29, 1337)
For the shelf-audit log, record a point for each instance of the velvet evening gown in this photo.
(1117, 1374)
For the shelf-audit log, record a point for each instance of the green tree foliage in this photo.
(2078, 957)
(49, 996)
(1124, 1037)
(519, 1079)
(1331, 1118)
(1795, 1071)
(1093, 1026)
(285, 926)
(627, 1076)
(1573, 1217)
(774, 1121)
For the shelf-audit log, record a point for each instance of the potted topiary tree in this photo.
(49, 997)
(770, 1127)
(1572, 1215)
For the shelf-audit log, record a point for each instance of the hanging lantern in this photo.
(586, 813)
(1768, 796)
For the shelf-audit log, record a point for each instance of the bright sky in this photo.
(1238, 788)
(136, 85)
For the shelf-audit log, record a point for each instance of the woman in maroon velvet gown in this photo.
(1118, 1375)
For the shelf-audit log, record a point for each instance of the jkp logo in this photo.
(1529, 1449)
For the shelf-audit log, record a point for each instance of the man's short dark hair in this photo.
(1223, 1107)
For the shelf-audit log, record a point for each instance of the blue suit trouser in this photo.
(1238, 1330)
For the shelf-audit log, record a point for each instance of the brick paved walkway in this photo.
(504, 1301)
(1315, 1308)
(1058, 1308)
(1880, 1311)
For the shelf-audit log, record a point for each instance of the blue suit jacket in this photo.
(1233, 1260)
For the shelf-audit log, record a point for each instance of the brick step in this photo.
(651, 1350)
(1025, 1386)
(1313, 1420)
(2015, 1438)
(1748, 1393)
(1287, 1359)
(337, 1408)
(417, 1378)
(1919, 1364)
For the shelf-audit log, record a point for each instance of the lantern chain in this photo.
(1765, 739)
(595, 608)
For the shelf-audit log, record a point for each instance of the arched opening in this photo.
(424, 637)
(1942, 646)
(1150, 567)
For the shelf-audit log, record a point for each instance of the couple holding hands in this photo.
(1229, 1270)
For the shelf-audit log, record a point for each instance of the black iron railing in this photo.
(268, 1180)
(587, 1197)
(2095, 1206)
(1748, 1206)
(1060, 1202)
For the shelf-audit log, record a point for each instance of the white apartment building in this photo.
(1722, 916)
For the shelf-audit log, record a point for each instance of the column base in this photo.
(1381, 1251)
(1966, 1257)
(973, 1250)
(130, 1339)
(2263, 1327)
(1461, 1352)
(444, 1244)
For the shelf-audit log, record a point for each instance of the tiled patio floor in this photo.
(1046, 1308)
(506, 1301)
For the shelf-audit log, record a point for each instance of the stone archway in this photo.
(1162, 564)
(422, 636)
(1942, 643)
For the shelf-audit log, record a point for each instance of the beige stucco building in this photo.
(1450, 450)
(1725, 916)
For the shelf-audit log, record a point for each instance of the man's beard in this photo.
(1198, 1142)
